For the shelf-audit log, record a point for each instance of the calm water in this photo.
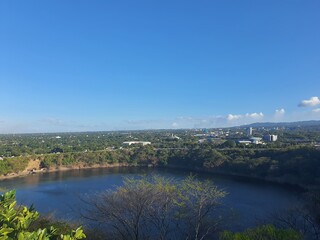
(59, 192)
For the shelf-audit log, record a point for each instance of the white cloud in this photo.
(313, 101)
(174, 125)
(279, 114)
(317, 110)
(255, 115)
(232, 117)
(247, 116)
(280, 111)
(241, 119)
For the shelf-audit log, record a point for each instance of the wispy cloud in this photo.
(247, 116)
(140, 122)
(56, 124)
(216, 121)
(232, 117)
(194, 121)
(280, 111)
(175, 125)
(15, 127)
(279, 114)
(199, 122)
(313, 101)
(53, 121)
(255, 115)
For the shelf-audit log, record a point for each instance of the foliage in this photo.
(294, 165)
(200, 199)
(155, 208)
(15, 223)
(303, 218)
(265, 232)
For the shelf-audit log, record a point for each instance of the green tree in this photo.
(265, 232)
(15, 223)
(228, 144)
(199, 201)
(155, 208)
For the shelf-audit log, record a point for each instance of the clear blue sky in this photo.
(108, 65)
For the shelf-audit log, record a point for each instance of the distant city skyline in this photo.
(129, 65)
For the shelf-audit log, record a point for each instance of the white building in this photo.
(274, 138)
(256, 140)
(174, 137)
(136, 142)
(245, 142)
(270, 138)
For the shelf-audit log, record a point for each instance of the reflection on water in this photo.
(58, 192)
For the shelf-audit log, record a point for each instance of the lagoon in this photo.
(248, 202)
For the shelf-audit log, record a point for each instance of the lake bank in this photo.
(38, 170)
(33, 169)
(298, 167)
(245, 177)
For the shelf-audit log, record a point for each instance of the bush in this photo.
(265, 232)
(15, 223)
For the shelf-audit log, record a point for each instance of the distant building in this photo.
(256, 140)
(201, 135)
(270, 138)
(136, 142)
(245, 142)
(249, 131)
(267, 138)
(174, 137)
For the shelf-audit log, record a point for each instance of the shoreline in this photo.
(244, 177)
(27, 172)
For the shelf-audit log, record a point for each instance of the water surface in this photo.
(58, 192)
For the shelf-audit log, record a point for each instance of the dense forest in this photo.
(293, 165)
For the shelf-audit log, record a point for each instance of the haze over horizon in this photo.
(126, 65)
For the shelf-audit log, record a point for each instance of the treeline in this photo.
(294, 165)
(26, 144)
(299, 165)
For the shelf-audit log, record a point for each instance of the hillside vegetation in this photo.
(294, 165)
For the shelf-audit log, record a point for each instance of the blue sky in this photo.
(111, 65)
